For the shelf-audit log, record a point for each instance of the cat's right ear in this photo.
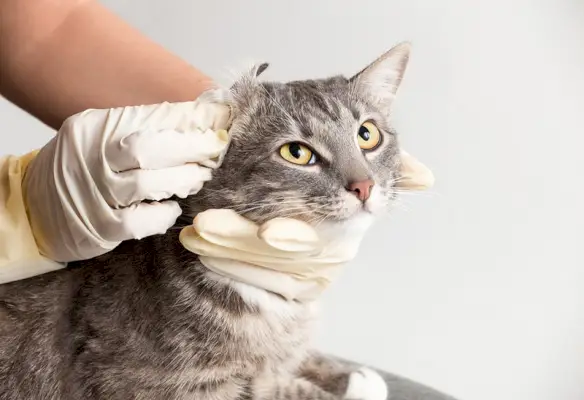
(245, 89)
(380, 80)
(258, 69)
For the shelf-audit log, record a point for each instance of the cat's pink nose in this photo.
(361, 189)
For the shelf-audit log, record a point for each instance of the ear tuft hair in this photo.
(245, 89)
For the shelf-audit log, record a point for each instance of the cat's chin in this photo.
(351, 228)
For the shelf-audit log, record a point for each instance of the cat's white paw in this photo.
(366, 384)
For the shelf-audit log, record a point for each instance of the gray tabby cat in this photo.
(148, 321)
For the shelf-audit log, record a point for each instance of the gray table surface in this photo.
(405, 389)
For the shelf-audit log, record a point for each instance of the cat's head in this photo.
(322, 151)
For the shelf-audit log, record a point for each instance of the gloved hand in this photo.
(84, 190)
(283, 255)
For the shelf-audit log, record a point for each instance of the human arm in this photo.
(81, 195)
(58, 58)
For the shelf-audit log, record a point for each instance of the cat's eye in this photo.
(298, 153)
(368, 136)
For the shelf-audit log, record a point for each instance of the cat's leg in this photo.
(287, 387)
(341, 380)
(321, 378)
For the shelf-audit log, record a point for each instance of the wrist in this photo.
(25, 163)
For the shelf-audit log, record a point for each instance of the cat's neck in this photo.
(161, 262)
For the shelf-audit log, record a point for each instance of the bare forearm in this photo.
(59, 57)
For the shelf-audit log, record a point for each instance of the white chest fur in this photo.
(281, 331)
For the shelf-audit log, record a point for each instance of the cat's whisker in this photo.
(265, 204)
(275, 200)
(414, 193)
(298, 203)
(400, 205)
(271, 203)
(297, 214)
(322, 219)
(285, 212)
(279, 206)
(274, 197)
(432, 193)
(248, 207)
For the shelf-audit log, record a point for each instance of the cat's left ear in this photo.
(381, 79)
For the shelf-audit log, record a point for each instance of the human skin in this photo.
(60, 57)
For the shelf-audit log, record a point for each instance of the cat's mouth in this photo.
(355, 208)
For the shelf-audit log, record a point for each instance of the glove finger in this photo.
(186, 116)
(157, 184)
(213, 116)
(224, 228)
(155, 149)
(144, 219)
(290, 235)
(201, 114)
(414, 174)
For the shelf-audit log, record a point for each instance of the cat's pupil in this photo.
(296, 150)
(364, 133)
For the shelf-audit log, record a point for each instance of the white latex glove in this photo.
(283, 255)
(84, 190)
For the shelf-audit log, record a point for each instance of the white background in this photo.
(477, 288)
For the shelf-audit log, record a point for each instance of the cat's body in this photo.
(149, 321)
(144, 321)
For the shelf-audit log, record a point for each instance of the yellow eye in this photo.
(368, 137)
(297, 153)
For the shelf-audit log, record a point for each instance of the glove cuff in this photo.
(17, 242)
(24, 162)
